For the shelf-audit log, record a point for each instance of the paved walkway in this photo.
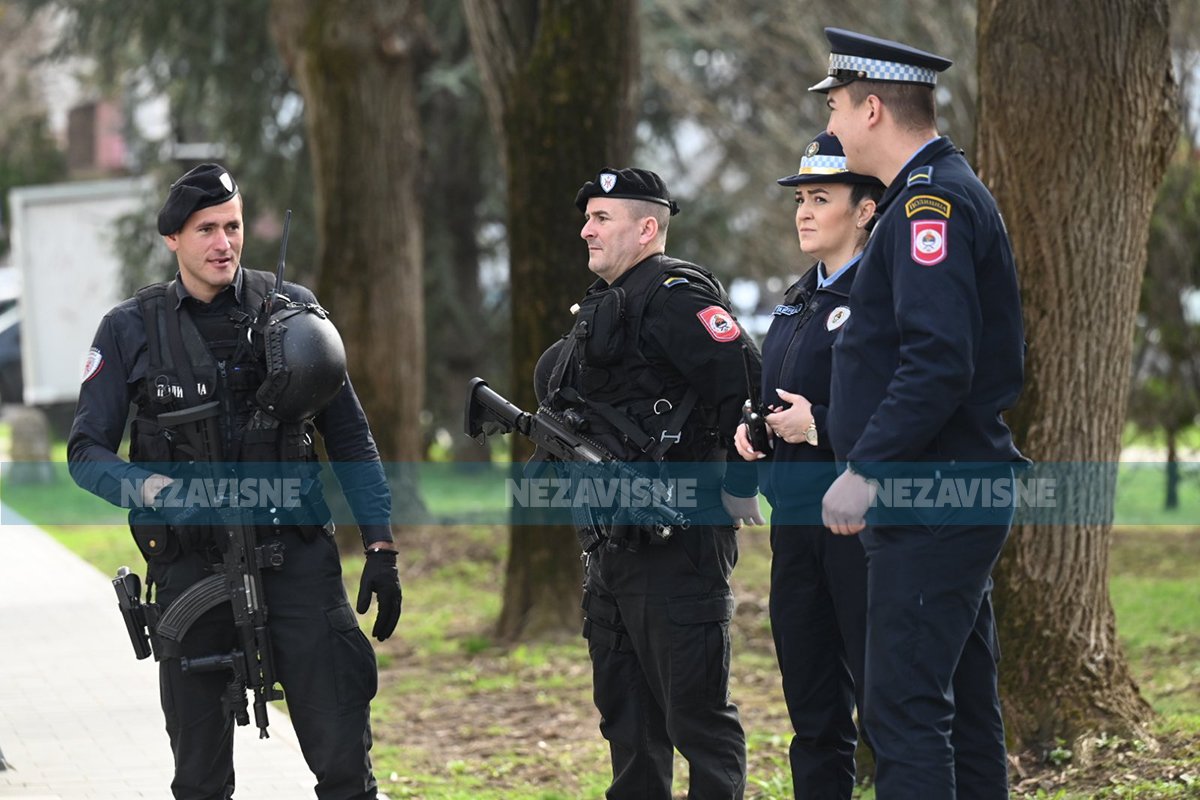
(79, 714)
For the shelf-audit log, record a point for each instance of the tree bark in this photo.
(357, 62)
(559, 79)
(1077, 189)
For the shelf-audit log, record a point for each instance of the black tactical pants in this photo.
(819, 621)
(324, 663)
(932, 708)
(657, 624)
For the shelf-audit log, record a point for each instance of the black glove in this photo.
(379, 577)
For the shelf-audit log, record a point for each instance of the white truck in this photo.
(63, 246)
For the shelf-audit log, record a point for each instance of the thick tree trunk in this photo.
(559, 77)
(356, 62)
(1076, 188)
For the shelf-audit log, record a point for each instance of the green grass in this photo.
(1155, 589)
(1141, 493)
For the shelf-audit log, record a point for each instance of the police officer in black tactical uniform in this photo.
(931, 357)
(180, 344)
(654, 368)
(818, 597)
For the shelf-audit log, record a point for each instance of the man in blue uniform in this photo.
(182, 345)
(931, 357)
(653, 369)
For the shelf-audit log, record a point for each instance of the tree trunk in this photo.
(1077, 189)
(357, 65)
(1172, 500)
(559, 78)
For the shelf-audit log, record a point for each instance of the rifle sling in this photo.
(179, 353)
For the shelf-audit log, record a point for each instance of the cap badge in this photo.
(607, 181)
(227, 181)
(812, 149)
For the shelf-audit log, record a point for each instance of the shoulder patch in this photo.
(927, 202)
(675, 280)
(719, 323)
(92, 364)
(921, 175)
(928, 241)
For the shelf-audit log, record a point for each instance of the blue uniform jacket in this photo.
(120, 356)
(933, 351)
(797, 357)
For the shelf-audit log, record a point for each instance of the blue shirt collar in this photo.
(827, 281)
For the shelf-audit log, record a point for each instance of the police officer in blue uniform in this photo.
(179, 345)
(653, 369)
(818, 594)
(931, 357)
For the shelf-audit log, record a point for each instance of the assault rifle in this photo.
(237, 580)
(489, 413)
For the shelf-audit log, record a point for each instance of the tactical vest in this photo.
(187, 368)
(635, 408)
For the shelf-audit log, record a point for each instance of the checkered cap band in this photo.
(822, 165)
(877, 70)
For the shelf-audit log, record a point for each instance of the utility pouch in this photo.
(600, 326)
(153, 537)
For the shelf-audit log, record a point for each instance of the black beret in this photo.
(201, 187)
(627, 184)
(856, 56)
(825, 162)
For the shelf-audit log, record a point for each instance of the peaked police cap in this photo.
(856, 56)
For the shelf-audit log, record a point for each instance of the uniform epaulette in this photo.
(674, 280)
(921, 175)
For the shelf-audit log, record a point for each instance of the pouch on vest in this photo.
(600, 327)
(153, 537)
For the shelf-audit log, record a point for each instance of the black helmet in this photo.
(306, 362)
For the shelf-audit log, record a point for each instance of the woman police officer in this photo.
(818, 580)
